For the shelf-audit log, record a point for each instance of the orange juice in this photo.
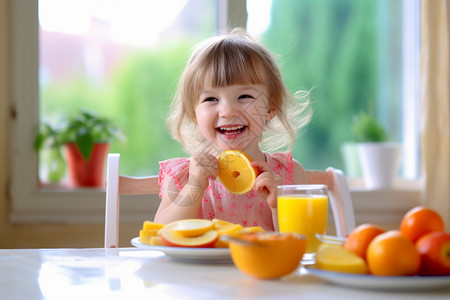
(305, 215)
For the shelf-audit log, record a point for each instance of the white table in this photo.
(131, 273)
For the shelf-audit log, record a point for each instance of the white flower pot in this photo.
(380, 163)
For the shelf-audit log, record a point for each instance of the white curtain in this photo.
(435, 106)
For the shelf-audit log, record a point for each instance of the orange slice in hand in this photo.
(235, 171)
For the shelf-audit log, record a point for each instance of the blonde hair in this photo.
(236, 59)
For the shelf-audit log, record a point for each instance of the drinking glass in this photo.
(303, 209)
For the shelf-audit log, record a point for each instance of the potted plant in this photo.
(85, 138)
(379, 158)
(367, 129)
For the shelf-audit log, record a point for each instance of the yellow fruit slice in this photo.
(231, 229)
(338, 259)
(175, 239)
(252, 229)
(149, 225)
(146, 235)
(188, 227)
(219, 223)
(235, 171)
(156, 241)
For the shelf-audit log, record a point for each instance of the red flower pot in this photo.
(89, 172)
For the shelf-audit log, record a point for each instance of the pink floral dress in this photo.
(248, 209)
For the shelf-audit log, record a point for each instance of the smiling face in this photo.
(233, 117)
(223, 97)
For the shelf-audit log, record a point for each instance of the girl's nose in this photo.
(227, 109)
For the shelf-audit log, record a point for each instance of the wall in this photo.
(4, 96)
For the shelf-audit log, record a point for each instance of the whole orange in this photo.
(419, 221)
(358, 240)
(392, 254)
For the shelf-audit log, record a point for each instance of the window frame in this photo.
(31, 203)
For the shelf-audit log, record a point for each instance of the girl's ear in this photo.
(271, 114)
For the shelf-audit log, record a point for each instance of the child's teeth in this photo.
(232, 128)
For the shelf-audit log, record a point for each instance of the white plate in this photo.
(382, 282)
(209, 255)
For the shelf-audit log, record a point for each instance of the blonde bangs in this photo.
(229, 62)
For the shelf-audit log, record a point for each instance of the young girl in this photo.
(231, 97)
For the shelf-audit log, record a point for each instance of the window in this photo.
(34, 203)
(347, 53)
(122, 60)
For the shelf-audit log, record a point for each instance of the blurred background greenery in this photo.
(341, 50)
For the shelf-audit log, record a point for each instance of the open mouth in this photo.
(231, 130)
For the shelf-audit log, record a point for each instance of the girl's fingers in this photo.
(262, 166)
(267, 183)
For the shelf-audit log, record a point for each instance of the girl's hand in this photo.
(266, 183)
(201, 167)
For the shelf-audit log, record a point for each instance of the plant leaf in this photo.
(368, 129)
(57, 166)
(85, 142)
(46, 136)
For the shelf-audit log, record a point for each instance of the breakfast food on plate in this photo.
(189, 227)
(418, 247)
(191, 233)
(148, 231)
(236, 172)
(271, 256)
(336, 258)
(225, 228)
(177, 239)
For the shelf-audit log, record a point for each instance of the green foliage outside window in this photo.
(331, 48)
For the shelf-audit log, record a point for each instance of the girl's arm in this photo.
(185, 203)
(266, 186)
(178, 204)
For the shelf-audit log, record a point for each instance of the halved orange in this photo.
(235, 171)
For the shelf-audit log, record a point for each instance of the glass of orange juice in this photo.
(303, 209)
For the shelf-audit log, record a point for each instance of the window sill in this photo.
(384, 207)
(79, 206)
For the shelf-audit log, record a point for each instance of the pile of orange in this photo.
(236, 172)
(400, 252)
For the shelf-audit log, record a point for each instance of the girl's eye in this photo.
(210, 99)
(246, 96)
